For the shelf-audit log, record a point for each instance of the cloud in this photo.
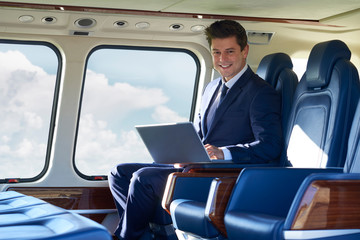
(121, 97)
(99, 149)
(163, 114)
(24, 118)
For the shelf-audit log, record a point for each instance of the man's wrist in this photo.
(227, 153)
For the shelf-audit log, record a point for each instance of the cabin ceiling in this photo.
(282, 9)
(291, 21)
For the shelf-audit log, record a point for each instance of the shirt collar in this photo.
(233, 80)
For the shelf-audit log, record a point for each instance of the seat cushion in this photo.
(189, 216)
(66, 226)
(253, 226)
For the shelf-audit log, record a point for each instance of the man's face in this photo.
(228, 59)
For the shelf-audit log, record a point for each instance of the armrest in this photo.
(268, 190)
(225, 164)
(193, 185)
(326, 201)
(203, 173)
(220, 191)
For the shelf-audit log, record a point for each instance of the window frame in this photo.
(53, 113)
(138, 48)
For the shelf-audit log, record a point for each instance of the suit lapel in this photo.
(231, 96)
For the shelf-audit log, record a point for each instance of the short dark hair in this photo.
(225, 29)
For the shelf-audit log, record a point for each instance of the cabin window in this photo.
(124, 87)
(27, 85)
(299, 66)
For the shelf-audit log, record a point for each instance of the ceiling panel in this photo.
(289, 9)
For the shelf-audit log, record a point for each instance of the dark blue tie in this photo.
(224, 89)
(211, 112)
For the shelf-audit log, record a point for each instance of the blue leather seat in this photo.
(323, 107)
(9, 195)
(276, 69)
(63, 226)
(272, 65)
(18, 202)
(319, 123)
(27, 213)
(279, 203)
(292, 203)
(25, 217)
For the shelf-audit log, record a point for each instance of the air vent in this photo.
(85, 22)
(259, 38)
(80, 33)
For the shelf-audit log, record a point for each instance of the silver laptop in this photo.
(173, 143)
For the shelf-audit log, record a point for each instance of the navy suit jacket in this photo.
(247, 121)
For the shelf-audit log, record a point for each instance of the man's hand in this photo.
(214, 152)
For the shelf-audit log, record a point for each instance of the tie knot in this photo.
(224, 89)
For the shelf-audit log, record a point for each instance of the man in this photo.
(246, 123)
(238, 121)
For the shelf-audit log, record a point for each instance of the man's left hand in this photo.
(214, 152)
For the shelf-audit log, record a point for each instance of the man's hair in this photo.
(225, 29)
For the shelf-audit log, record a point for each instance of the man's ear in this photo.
(245, 51)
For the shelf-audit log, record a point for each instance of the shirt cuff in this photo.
(227, 153)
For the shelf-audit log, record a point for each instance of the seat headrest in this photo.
(321, 61)
(271, 65)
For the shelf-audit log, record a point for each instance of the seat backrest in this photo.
(271, 66)
(276, 69)
(352, 163)
(323, 108)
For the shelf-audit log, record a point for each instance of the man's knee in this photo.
(154, 177)
(125, 170)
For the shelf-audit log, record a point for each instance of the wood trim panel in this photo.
(329, 204)
(193, 173)
(219, 195)
(73, 198)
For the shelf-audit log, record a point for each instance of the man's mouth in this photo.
(225, 66)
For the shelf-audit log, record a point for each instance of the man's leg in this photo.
(145, 193)
(119, 181)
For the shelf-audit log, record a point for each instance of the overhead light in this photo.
(121, 24)
(142, 25)
(85, 22)
(197, 28)
(48, 20)
(26, 18)
(176, 27)
(259, 38)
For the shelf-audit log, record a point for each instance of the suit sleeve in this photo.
(265, 120)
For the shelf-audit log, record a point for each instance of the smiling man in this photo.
(239, 120)
(241, 123)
